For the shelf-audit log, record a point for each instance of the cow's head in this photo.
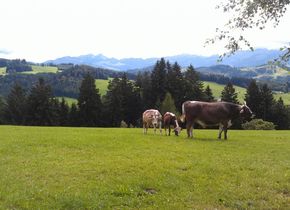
(246, 113)
(177, 131)
(155, 119)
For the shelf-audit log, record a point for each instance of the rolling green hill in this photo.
(2, 70)
(217, 89)
(41, 69)
(118, 168)
(102, 85)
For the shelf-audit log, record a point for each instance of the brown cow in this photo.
(213, 113)
(152, 117)
(168, 120)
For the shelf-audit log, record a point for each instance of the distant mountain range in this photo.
(240, 59)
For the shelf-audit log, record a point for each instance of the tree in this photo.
(158, 79)
(193, 86)
(63, 112)
(248, 14)
(168, 105)
(15, 110)
(143, 82)
(281, 113)
(89, 103)
(229, 94)
(122, 102)
(1, 110)
(39, 104)
(267, 103)
(253, 98)
(208, 96)
(176, 84)
(73, 116)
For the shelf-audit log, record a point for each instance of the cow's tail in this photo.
(182, 117)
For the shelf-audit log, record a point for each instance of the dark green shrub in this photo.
(258, 124)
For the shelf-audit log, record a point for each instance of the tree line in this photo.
(165, 88)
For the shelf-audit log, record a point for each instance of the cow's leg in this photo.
(189, 128)
(220, 130)
(225, 133)
(160, 127)
(144, 129)
(226, 126)
(165, 129)
(154, 127)
(169, 130)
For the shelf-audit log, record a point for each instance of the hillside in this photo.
(64, 81)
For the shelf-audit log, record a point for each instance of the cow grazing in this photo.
(168, 120)
(152, 117)
(213, 113)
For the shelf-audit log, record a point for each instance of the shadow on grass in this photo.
(205, 139)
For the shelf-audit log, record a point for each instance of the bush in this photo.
(123, 124)
(258, 124)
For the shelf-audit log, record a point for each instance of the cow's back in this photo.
(148, 115)
(209, 112)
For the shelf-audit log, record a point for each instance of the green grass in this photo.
(114, 168)
(69, 101)
(2, 71)
(285, 97)
(218, 88)
(41, 69)
(102, 85)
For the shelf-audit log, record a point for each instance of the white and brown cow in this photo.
(152, 117)
(168, 120)
(213, 113)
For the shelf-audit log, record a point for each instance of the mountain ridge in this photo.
(240, 59)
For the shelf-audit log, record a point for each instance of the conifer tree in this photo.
(168, 105)
(176, 84)
(89, 103)
(267, 103)
(1, 110)
(158, 78)
(73, 116)
(253, 98)
(143, 82)
(229, 94)
(39, 104)
(208, 94)
(63, 112)
(281, 115)
(194, 87)
(122, 102)
(16, 105)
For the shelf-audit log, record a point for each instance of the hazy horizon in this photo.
(45, 30)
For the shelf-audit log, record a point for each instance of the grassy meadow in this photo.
(102, 85)
(41, 69)
(118, 168)
(218, 88)
(2, 71)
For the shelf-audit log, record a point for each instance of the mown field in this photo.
(114, 168)
(2, 70)
(218, 88)
(41, 69)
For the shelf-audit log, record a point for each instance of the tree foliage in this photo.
(89, 103)
(246, 15)
(229, 94)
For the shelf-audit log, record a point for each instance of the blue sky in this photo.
(39, 30)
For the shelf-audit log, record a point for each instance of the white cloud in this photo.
(39, 30)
